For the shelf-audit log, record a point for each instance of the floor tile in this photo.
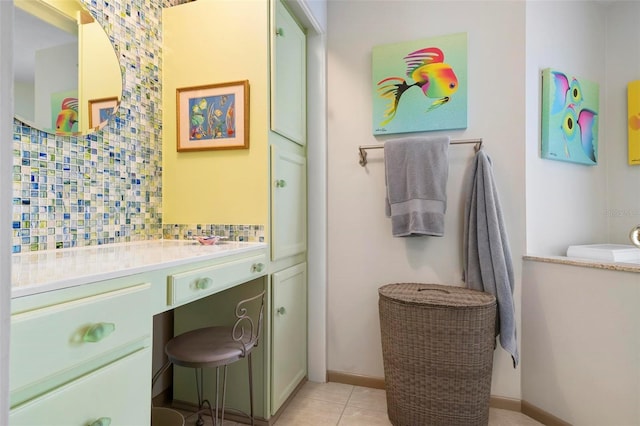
(311, 412)
(330, 391)
(368, 399)
(499, 417)
(354, 416)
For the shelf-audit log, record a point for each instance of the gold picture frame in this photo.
(214, 116)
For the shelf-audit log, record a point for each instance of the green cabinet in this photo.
(117, 394)
(288, 76)
(288, 203)
(288, 332)
(288, 212)
(67, 359)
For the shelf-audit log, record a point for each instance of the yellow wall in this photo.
(100, 73)
(208, 42)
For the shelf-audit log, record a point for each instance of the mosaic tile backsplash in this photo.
(105, 187)
(246, 233)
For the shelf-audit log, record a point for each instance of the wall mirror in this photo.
(67, 78)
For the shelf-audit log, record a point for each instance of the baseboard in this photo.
(355, 379)
(494, 401)
(542, 416)
(505, 403)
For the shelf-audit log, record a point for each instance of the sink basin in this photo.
(606, 252)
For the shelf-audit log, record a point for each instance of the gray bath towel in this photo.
(416, 173)
(486, 254)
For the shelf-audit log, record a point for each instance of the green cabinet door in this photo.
(288, 76)
(289, 332)
(288, 203)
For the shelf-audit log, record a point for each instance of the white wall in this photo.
(622, 66)
(580, 340)
(566, 202)
(362, 253)
(56, 71)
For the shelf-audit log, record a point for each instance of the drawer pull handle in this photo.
(257, 267)
(102, 421)
(280, 32)
(281, 183)
(281, 310)
(98, 331)
(204, 283)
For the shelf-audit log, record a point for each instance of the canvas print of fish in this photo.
(212, 117)
(420, 85)
(570, 107)
(633, 94)
(64, 112)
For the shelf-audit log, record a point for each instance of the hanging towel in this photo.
(416, 174)
(486, 254)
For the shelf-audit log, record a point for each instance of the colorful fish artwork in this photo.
(212, 117)
(67, 117)
(569, 118)
(633, 94)
(437, 68)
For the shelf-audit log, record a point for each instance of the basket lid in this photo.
(435, 295)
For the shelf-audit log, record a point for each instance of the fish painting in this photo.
(428, 71)
(212, 117)
(420, 85)
(68, 116)
(569, 118)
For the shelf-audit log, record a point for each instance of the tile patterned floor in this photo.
(337, 404)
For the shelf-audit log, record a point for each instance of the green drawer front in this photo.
(118, 392)
(54, 345)
(202, 282)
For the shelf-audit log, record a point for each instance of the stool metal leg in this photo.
(224, 393)
(199, 386)
(250, 389)
(215, 419)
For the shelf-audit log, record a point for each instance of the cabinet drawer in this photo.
(118, 392)
(53, 345)
(204, 281)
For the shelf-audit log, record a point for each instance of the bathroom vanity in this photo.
(82, 323)
(581, 329)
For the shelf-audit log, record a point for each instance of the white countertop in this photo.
(47, 270)
(588, 263)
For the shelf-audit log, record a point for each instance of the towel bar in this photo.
(363, 148)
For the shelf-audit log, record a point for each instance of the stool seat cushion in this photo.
(207, 347)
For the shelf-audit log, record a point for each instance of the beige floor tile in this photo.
(354, 416)
(499, 417)
(311, 412)
(368, 398)
(331, 392)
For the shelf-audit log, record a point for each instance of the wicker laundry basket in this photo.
(437, 345)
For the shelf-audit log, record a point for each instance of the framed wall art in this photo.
(64, 112)
(420, 85)
(214, 116)
(101, 110)
(633, 93)
(570, 107)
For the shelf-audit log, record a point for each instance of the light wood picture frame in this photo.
(214, 116)
(101, 110)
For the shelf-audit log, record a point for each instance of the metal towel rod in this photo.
(363, 148)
